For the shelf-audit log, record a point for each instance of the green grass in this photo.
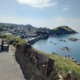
(62, 63)
(64, 27)
(13, 39)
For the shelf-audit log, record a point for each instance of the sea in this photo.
(61, 45)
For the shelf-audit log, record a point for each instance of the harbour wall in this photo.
(34, 40)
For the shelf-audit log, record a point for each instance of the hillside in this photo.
(41, 66)
(62, 30)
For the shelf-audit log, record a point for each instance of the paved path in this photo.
(9, 68)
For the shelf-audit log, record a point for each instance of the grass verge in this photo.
(62, 63)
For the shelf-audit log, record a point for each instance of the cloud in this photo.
(38, 3)
(66, 9)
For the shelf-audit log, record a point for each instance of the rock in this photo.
(66, 48)
(73, 39)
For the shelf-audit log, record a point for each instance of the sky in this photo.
(41, 13)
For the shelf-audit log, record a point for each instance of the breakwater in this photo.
(34, 40)
(37, 39)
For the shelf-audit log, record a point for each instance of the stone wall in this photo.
(35, 66)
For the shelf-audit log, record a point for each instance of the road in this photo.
(9, 68)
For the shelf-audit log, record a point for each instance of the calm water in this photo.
(49, 46)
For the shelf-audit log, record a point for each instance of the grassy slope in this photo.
(13, 39)
(65, 28)
(62, 63)
(65, 64)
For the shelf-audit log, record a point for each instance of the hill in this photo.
(62, 30)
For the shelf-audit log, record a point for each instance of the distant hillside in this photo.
(62, 30)
(28, 27)
(18, 26)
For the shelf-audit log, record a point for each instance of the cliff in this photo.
(62, 30)
(37, 66)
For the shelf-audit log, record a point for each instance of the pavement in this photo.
(9, 68)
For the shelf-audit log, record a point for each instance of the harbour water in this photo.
(60, 45)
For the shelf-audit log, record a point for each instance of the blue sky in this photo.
(41, 13)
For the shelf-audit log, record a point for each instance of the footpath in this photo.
(9, 68)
